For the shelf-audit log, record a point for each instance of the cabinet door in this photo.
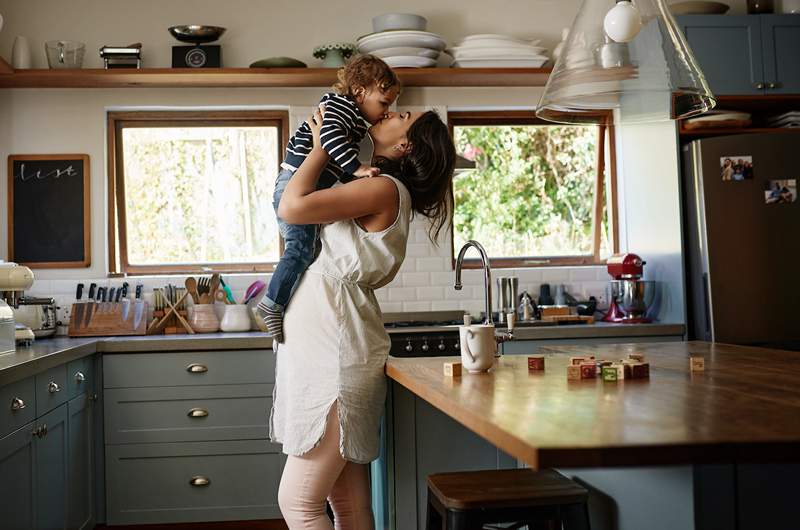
(17, 485)
(780, 35)
(80, 492)
(51, 470)
(728, 50)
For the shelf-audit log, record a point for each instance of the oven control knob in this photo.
(409, 347)
(457, 346)
(441, 346)
(425, 346)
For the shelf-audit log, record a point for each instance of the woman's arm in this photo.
(301, 203)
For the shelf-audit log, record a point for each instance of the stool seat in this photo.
(523, 497)
(504, 488)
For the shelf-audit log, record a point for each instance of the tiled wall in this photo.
(424, 283)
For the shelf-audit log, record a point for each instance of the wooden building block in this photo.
(577, 361)
(621, 372)
(609, 373)
(697, 364)
(588, 371)
(452, 369)
(536, 363)
(640, 371)
(636, 356)
(573, 372)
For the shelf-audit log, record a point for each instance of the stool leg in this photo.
(575, 516)
(434, 519)
(463, 520)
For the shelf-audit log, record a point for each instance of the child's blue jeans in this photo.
(299, 247)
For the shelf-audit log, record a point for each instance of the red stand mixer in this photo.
(630, 296)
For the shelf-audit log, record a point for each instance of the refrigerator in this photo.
(742, 239)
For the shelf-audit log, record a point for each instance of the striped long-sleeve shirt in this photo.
(343, 128)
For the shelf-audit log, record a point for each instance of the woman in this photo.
(330, 384)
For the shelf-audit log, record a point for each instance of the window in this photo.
(189, 191)
(539, 193)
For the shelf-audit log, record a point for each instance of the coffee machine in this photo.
(629, 296)
(14, 279)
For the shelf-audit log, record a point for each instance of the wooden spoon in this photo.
(214, 285)
(191, 286)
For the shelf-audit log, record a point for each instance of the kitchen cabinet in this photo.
(17, 482)
(746, 54)
(47, 478)
(186, 437)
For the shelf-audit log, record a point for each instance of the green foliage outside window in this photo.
(532, 192)
(200, 194)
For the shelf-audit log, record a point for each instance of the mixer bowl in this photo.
(634, 297)
(196, 34)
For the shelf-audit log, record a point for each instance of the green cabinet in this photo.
(746, 54)
(47, 478)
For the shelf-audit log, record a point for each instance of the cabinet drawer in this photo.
(80, 376)
(137, 370)
(17, 405)
(51, 389)
(187, 414)
(151, 483)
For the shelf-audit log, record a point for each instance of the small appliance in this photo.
(14, 279)
(629, 296)
(37, 314)
(129, 56)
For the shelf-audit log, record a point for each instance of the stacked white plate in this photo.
(403, 48)
(497, 51)
(787, 119)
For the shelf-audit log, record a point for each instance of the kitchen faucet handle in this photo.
(511, 320)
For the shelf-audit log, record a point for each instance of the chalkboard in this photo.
(48, 210)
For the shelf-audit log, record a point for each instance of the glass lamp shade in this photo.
(652, 77)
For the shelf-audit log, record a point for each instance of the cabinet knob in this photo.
(200, 481)
(759, 86)
(197, 412)
(36, 431)
(196, 368)
(79, 377)
(17, 404)
(93, 397)
(53, 387)
(772, 85)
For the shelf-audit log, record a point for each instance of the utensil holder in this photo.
(203, 319)
(235, 318)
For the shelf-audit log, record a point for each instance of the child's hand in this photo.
(366, 171)
(315, 124)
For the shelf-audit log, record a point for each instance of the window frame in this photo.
(605, 144)
(118, 263)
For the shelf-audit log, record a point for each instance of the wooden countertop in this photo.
(745, 406)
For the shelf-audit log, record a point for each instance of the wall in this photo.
(61, 120)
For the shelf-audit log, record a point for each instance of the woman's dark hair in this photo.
(427, 170)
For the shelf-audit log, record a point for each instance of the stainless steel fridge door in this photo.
(743, 253)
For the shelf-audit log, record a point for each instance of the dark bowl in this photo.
(196, 34)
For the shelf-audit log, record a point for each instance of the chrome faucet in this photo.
(487, 275)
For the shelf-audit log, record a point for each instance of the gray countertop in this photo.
(44, 354)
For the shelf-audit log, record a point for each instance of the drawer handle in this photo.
(759, 86)
(200, 481)
(196, 368)
(197, 412)
(53, 387)
(17, 404)
(79, 377)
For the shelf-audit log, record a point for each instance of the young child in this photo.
(365, 90)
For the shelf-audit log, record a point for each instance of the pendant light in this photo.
(626, 61)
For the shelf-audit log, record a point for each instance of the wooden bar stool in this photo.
(469, 500)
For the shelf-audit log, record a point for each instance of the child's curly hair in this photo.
(365, 72)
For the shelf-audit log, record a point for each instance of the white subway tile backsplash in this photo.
(403, 294)
(559, 275)
(391, 307)
(430, 293)
(419, 250)
(583, 274)
(444, 305)
(382, 294)
(416, 279)
(443, 278)
(430, 264)
(416, 306)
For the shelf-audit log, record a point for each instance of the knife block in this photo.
(105, 319)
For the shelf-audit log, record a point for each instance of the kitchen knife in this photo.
(138, 310)
(119, 295)
(90, 304)
(126, 302)
(111, 292)
(79, 306)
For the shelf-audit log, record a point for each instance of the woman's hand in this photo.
(315, 124)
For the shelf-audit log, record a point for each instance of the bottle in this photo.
(526, 312)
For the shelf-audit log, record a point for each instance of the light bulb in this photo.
(622, 22)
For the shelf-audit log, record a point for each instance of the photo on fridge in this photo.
(780, 191)
(736, 168)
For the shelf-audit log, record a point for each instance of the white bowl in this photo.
(393, 39)
(391, 21)
(410, 61)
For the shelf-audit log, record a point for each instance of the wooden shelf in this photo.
(262, 77)
(5, 68)
(723, 131)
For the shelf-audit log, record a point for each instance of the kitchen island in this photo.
(713, 428)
